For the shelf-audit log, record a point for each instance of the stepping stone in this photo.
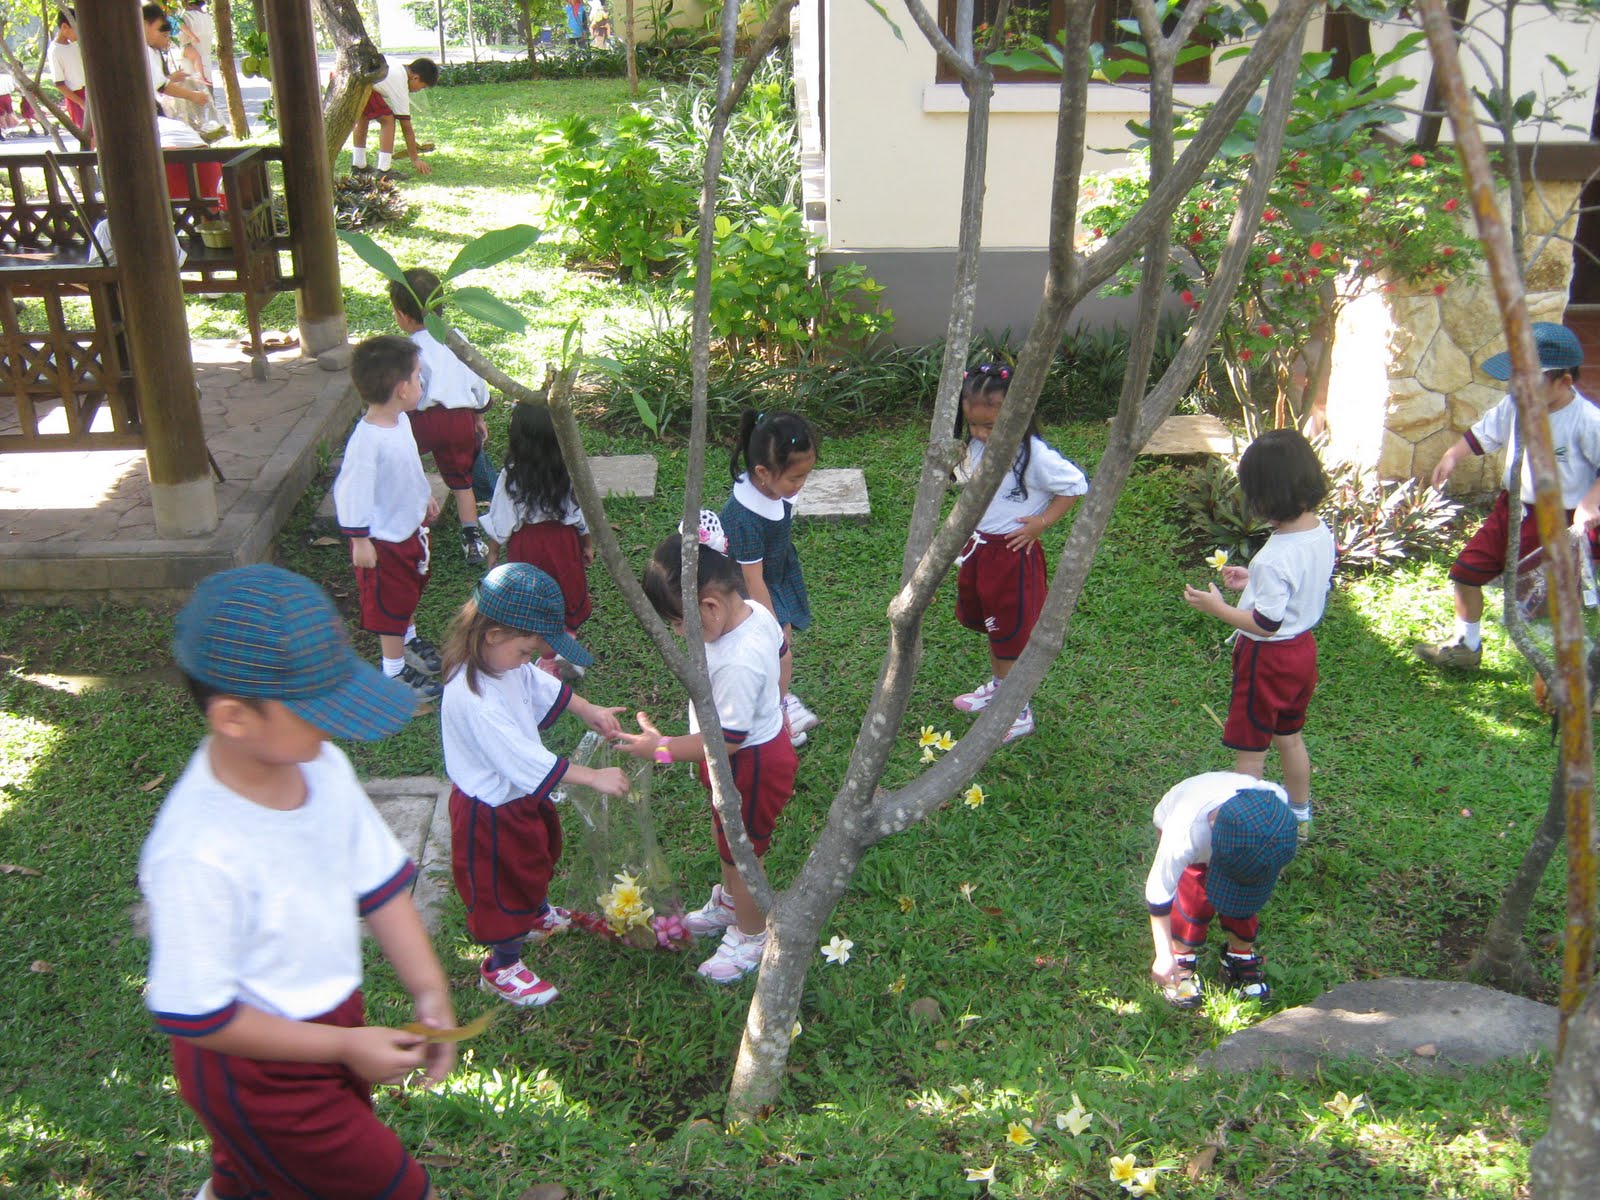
(417, 811)
(836, 494)
(632, 475)
(1177, 437)
(1418, 1024)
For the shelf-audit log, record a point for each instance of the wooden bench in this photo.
(46, 252)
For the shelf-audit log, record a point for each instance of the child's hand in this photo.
(1235, 578)
(612, 781)
(1027, 534)
(436, 1012)
(363, 553)
(604, 722)
(642, 744)
(421, 166)
(432, 514)
(588, 553)
(1209, 601)
(381, 1055)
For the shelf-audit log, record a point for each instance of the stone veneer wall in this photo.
(1406, 381)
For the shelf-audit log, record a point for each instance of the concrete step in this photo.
(834, 494)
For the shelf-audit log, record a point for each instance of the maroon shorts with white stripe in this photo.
(1192, 911)
(764, 775)
(451, 436)
(1001, 592)
(556, 548)
(502, 857)
(1272, 684)
(376, 107)
(294, 1129)
(390, 591)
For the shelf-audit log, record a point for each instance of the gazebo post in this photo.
(140, 213)
(307, 179)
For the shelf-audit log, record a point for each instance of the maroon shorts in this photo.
(390, 591)
(74, 107)
(294, 1129)
(1000, 592)
(451, 436)
(764, 775)
(556, 548)
(1483, 558)
(376, 107)
(1192, 911)
(502, 857)
(1272, 684)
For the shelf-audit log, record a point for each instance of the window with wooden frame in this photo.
(1045, 19)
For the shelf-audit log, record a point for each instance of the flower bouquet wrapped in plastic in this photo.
(623, 875)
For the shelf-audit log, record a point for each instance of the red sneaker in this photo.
(516, 985)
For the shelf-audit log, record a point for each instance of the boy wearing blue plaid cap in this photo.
(1224, 838)
(262, 862)
(1575, 431)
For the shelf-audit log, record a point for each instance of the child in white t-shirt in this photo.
(743, 641)
(389, 103)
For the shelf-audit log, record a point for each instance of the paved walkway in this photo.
(78, 527)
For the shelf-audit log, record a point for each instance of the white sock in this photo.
(1302, 813)
(1470, 633)
(393, 666)
(411, 634)
(384, 159)
(358, 156)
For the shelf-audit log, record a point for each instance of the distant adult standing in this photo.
(599, 23)
(198, 38)
(66, 66)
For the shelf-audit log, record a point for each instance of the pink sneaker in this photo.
(712, 917)
(978, 699)
(737, 956)
(516, 985)
(554, 921)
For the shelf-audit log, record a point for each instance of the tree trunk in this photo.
(628, 14)
(230, 69)
(1565, 1162)
(357, 65)
(1502, 959)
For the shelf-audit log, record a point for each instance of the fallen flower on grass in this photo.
(927, 737)
(1076, 1119)
(966, 891)
(1019, 1135)
(1123, 1169)
(981, 1174)
(973, 797)
(906, 903)
(838, 949)
(946, 742)
(1143, 1182)
(898, 986)
(928, 755)
(1344, 1107)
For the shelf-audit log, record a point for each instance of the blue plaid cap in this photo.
(1559, 350)
(1252, 839)
(522, 597)
(268, 634)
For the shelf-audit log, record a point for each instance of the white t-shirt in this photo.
(492, 748)
(1575, 430)
(506, 516)
(199, 31)
(1048, 475)
(253, 905)
(1289, 581)
(743, 664)
(381, 491)
(447, 382)
(395, 89)
(1184, 819)
(66, 65)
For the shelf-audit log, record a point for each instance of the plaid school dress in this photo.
(752, 537)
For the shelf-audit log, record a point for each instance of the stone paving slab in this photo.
(1419, 1024)
(834, 494)
(1177, 437)
(417, 809)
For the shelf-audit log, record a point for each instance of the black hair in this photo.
(991, 382)
(424, 69)
(409, 300)
(770, 440)
(66, 16)
(663, 579)
(203, 694)
(536, 474)
(1556, 373)
(1281, 476)
(381, 364)
(154, 12)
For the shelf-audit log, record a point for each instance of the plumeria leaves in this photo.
(492, 249)
(490, 309)
(374, 255)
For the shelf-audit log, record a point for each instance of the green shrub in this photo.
(542, 62)
(1217, 515)
(1084, 382)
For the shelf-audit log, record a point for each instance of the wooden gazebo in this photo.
(144, 286)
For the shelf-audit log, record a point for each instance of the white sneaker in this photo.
(1302, 817)
(1021, 727)
(736, 957)
(978, 699)
(715, 916)
(798, 739)
(800, 717)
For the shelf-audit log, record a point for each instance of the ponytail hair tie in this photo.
(710, 533)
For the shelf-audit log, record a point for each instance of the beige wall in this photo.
(895, 139)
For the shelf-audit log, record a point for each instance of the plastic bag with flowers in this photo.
(634, 898)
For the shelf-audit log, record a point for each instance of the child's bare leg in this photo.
(358, 135)
(393, 644)
(1000, 667)
(466, 506)
(385, 135)
(747, 915)
(785, 663)
(1250, 762)
(1296, 763)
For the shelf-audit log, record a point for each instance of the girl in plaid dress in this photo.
(778, 452)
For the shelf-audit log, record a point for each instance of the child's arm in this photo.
(685, 747)
(362, 552)
(405, 944)
(377, 1054)
(1031, 527)
(586, 543)
(1212, 602)
(602, 720)
(412, 149)
(1161, 933)
(755, 582)
(612, 781)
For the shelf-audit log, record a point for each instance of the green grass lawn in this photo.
(1023, 918)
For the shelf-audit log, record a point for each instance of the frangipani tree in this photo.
(863, 812)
